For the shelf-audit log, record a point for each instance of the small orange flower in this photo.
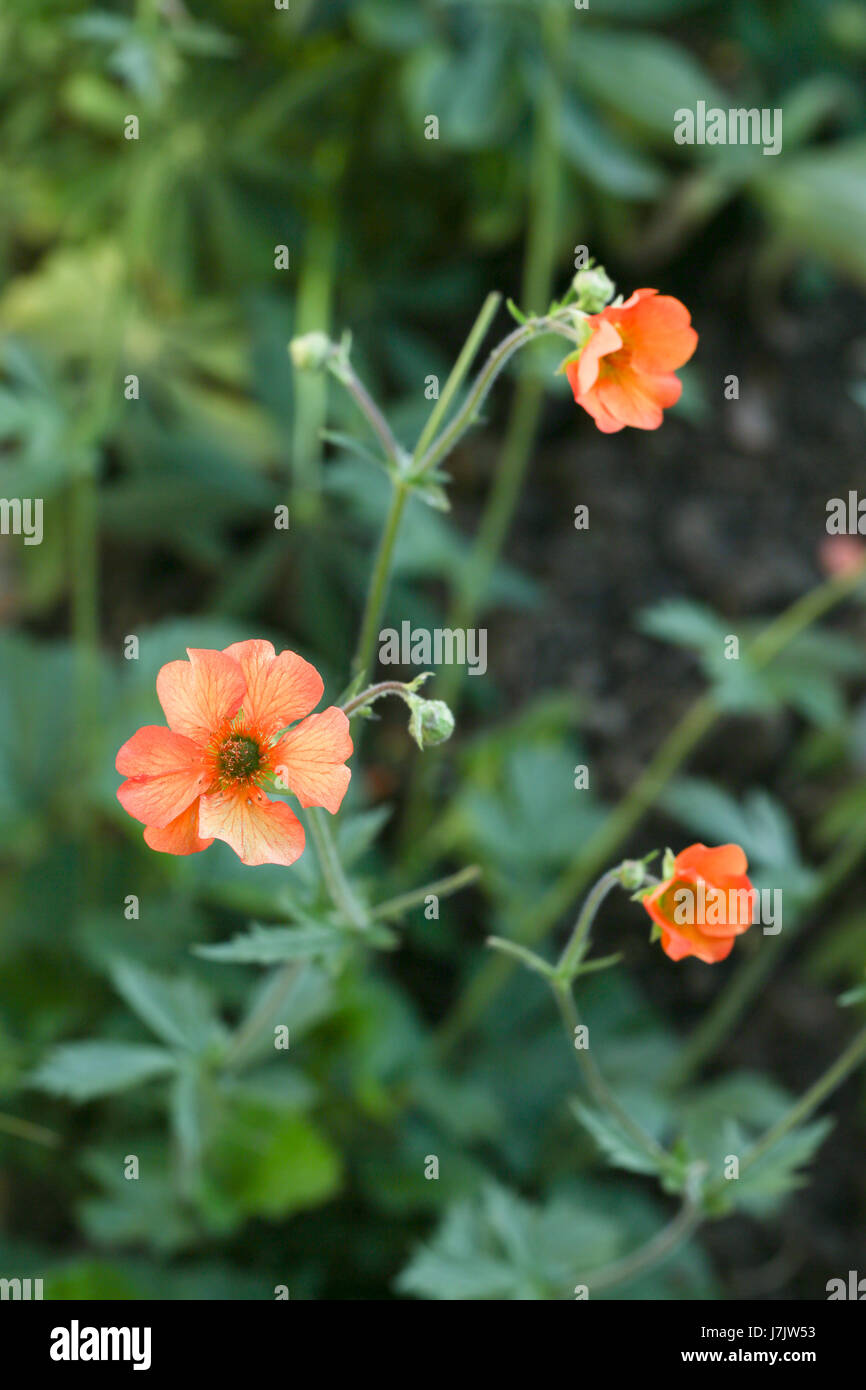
(705, 902)
(201, 778)
(625, 373)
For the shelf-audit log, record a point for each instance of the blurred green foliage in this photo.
(155, 259)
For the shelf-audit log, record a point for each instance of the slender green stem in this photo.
(523, 955)
(595, 1082)
(801, 615)
(373, 693)
(24, 1129)
(836, 1073)
(577, 943)
(817, 1093)
(539, 264)
(377, 592)
(458, 372)
(468, 412)
(654, 1252)
(442, 888)
(348, 377)
(338, 886)
(245, 1040)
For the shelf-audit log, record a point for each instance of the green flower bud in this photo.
(310, 353)
(593, 287)
(431, 721)
(632, 874)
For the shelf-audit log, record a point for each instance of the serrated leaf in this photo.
(619, 1148)
(778, 1172)
(86, 1070)
(179, 1011)
(271, 945)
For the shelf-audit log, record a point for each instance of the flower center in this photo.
(239, 758)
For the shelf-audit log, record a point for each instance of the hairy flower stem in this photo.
(245, 1040)
(377, 592)
(468, 412)
(338, 886)
(373, 693)
(654, 1252)
(458, 373)
(596, 1084)
(577, 943)
(561, 982)
(543, 216)
(443, 887)
(339, 364)
(414, 472)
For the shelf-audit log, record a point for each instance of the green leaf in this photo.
(85, 1070)
(146, 1212)
(853, 996)
(757, 821)
(179, 1011)
(270, 1164)
(434, 496)
(762, 1186)
(683, 622)
(270, 945)
(817, 202)
(642, 77)
(603, 158)
(618, 1148)
(501, 1247)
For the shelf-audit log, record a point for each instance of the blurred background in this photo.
(155, 258)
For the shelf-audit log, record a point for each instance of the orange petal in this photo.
(259, 831)
(715, 865)
(180, 836)
(310, 759)
(199, 695)
(631, 398)
(660, 334)
(637, 398)
(604, 341)
(603, 419)
(165, 771)
(280, 689)
(678, 947)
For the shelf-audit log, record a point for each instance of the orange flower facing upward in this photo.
(202, 778)
(703, 903)
(625, 373)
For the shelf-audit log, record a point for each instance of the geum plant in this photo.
(242, 736)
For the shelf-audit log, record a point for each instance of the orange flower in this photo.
(705, 902)
(201, 778)
(625, 373)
